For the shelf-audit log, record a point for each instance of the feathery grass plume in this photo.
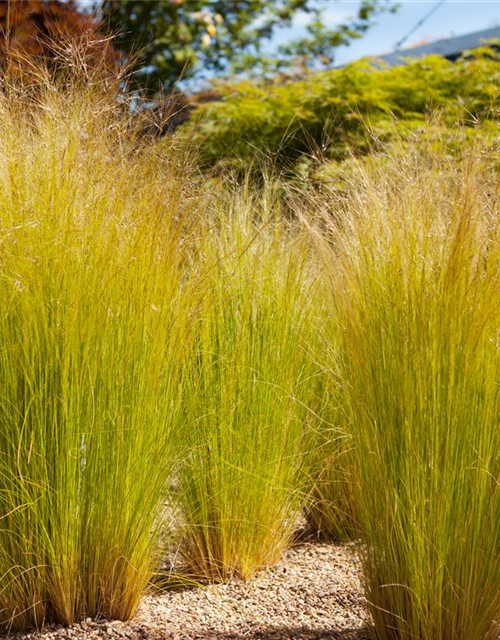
(240, 482)
(96, 310)
(415, 272)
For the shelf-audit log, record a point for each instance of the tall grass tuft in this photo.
(95, 237)
(415, 269)
(241, 481)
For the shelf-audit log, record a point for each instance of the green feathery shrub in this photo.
(296, 124)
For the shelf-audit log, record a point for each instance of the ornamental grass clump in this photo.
(415, 270)
(95, 238)
(241, 482)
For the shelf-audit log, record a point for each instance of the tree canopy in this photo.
(174, 39)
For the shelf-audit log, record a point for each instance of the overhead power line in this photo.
(419, 24)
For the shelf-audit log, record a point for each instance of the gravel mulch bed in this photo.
(312, 594)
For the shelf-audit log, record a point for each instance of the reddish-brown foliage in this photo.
(41, 30)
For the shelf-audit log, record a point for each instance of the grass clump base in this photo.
(330, 510)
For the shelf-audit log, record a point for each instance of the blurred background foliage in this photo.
(290, 114)
(298, 126)
(170, 40)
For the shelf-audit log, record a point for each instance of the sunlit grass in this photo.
(241, 483)
(155, 364)
(178, 366)
(331, 508)
(331, 462)
(93, 329)
(415, 272)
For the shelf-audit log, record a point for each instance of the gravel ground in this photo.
(312, 594)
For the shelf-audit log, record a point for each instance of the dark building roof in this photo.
(450, 48)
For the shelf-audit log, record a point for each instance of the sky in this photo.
(453, 17)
